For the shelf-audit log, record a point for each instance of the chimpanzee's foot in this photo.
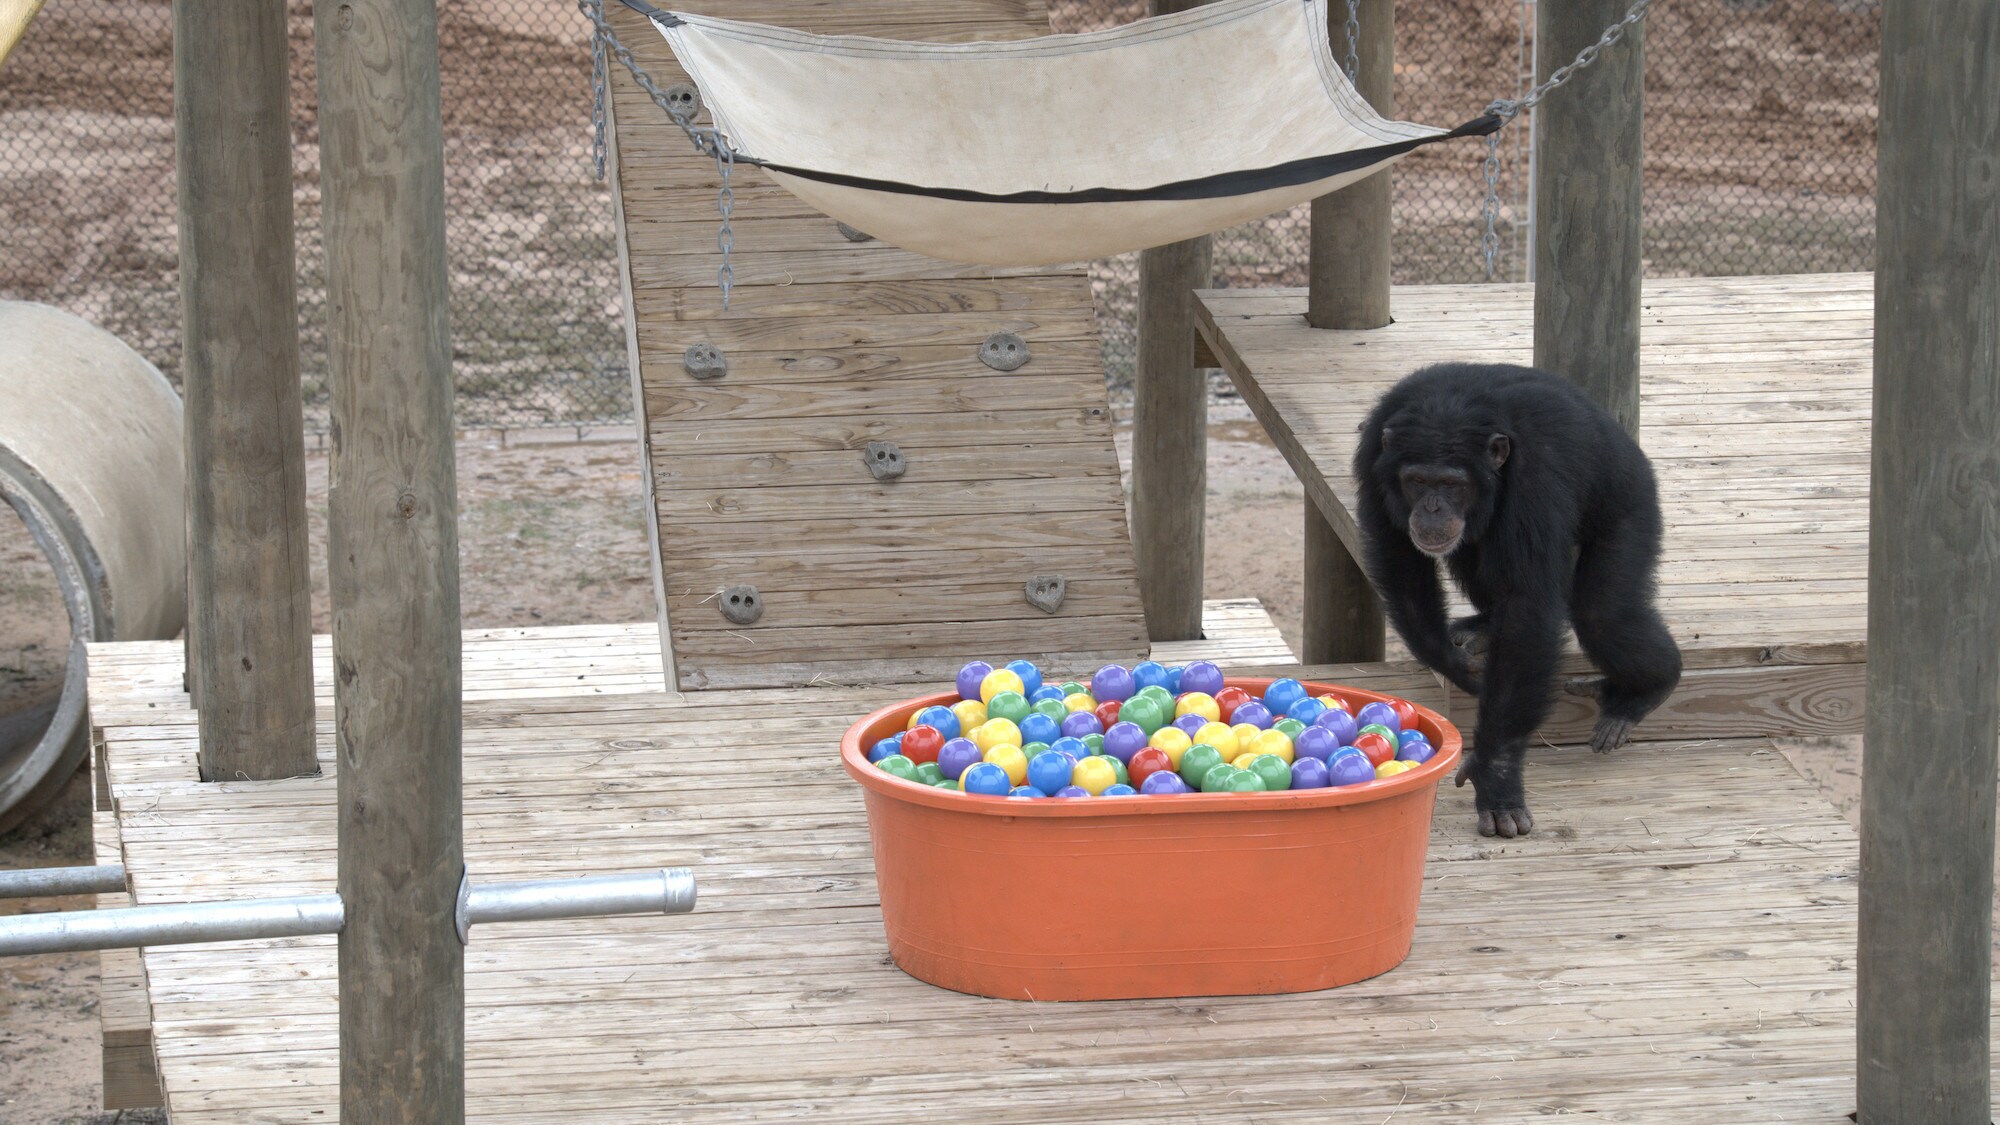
(1590, 687)
(1507, 823)
(1610, 733)
(1497, 793)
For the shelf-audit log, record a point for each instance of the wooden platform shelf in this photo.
(1755, 400)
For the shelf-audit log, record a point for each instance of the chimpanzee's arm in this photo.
(1412, 597)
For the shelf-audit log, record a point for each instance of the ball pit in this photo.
(1231, 817)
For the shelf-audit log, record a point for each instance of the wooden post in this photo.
(392, 563)
(1587, 187)
(1348, 287)
(249, 598)
(1170, 432)
(1928, 761)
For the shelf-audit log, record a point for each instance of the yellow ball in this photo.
(1246, 734)
(1198, 703)
(1392, 767)
(970, 714)
(1274, 743)
(1094, 774)
(1242, 761)
(1220, 737)
(997, 681)
(996, 732)
(1079, 702)
(1009, 757)
(1173, 741)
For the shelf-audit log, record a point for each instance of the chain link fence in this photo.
(1760, 158)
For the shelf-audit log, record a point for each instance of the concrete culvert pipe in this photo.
(90, 457)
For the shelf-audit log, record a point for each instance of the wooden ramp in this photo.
(1754, 407)
(757, 478)
(1651, 954)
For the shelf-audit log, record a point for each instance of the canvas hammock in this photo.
(1054, 149)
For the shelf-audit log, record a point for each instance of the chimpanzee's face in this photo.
(1438, 496)
(1442, 484)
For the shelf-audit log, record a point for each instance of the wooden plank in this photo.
(131, 1078)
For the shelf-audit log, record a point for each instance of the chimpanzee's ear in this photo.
(1497, 448)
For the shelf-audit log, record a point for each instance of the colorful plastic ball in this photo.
(1276, 774)
(1380, 713)
(1030, 749)
(1290, 728)
(1416, 753)
(1029, 675)
(1071, 687)
(1281, 694)
(1202, 676)
(1050, 772)
(1053, 708)
(1112, 684)
(1198, 703)
(1009, 705)
(1158, 694)
(1409, 736)
(1315, 742)
(1306, 711)
(1162, 783)
(1406, 713)
(885, 747)
(971, 713)
(1188, 724)
(1220, 737)
(1199, 759)
(1213, 778)
(1336, 702)
(1308, 773)
(1026, 792)
(1148, 762)
(970, 677)
(1009, 758)
(995, 732)
(986, 779)
(1229, 699)
(1337, 722)
(1150, 673)
(1382, 729)
(1146, 713)
(997, 681)
(1253, 713)
(1172, 741)
(1107, 712)
(1349, 769)
(1123, 740)
(1118, 768)
(1244, 734)
(1243, 781)
(1242, 761)
(1119, 790)
(1071, 791)
(1046, 693)
(939, 717)
(921, 744)
(1074, 747)
(928, 773)
(1175, 672)
(1377, 748)
(1094, 743)
(947, 783)
(1391, 769)
(958, 755)
(1273, 743)
(1079, 723)
(896, 765)
(1079, 702)
(1037, 727)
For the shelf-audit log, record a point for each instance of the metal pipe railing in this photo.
(39, 882)
(669, 891)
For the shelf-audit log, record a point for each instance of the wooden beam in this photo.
(392, 563)
(1587, 154)
(250, 601)
(1929, 754)
(1169, 503)
(1348, 287)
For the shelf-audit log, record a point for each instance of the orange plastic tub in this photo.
(1200, 894)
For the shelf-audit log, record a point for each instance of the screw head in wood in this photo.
(1003, 351)
(740, 604)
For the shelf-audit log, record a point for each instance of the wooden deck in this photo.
(1645, 956)
(1755, 402)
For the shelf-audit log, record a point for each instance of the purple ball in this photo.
(1317, 743)
(1165, 781)
(1188, 724)
(1071, 791)
(1112, 684)
(1124, 740)
(1349, 766)
(1202, 676)
(969, 678)
(1409, 736)
(1309, 773)
(1340, 724)
(1076, 724)
(1254, 713)
(956, 756)
(1418, 752)
(1379, 713)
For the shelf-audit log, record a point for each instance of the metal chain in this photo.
(1489, 243)
(1354, 41)
(708, 140)
(597, 119)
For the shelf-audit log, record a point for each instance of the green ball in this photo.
(1377, 728)
(1157, 694)
(946, 783)
(1145, 713)
(1053, 708)
(1009, 705)
(1272, 771)
(928, 773)
(1093, 742)
(1034, 748)
(1071, 687)
(1198, 760)
(1243, 781)
(1124, 778)
(1218, 776)
(1290, 727)
(897, 765)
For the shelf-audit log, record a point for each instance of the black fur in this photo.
(1565, 531)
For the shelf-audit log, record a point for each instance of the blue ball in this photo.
(1309, 773)
(941, 719)
(1151, 673)
(1071, 791)
(1340, 723)
(987, 780)
(1031, 676)
(1074, 747)
(1051, 771)
(1046, 691)
(1254, 713)
(888, 747)
(1038, 727)
(1306, 710)
(1119, 790)
(1174, 674)
(1280, 696)
(1409, 736)
(1349, 766)
(970, 677)
(1026, 791)
(1076, 724)
(1379, 713)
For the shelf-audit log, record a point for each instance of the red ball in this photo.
(1377, 748)
(1229, 699)
(1148, 762)
(1406, 714)
(922, 743)
(1107, 712)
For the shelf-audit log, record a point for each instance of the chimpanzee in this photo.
(1545, 511)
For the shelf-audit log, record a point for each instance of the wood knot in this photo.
(406, 506)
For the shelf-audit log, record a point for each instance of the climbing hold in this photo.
(884, 460)
(853, 235)
(1045, 592)
(705, 361)
(683, 101)
(1003, 351)
(741, 604)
